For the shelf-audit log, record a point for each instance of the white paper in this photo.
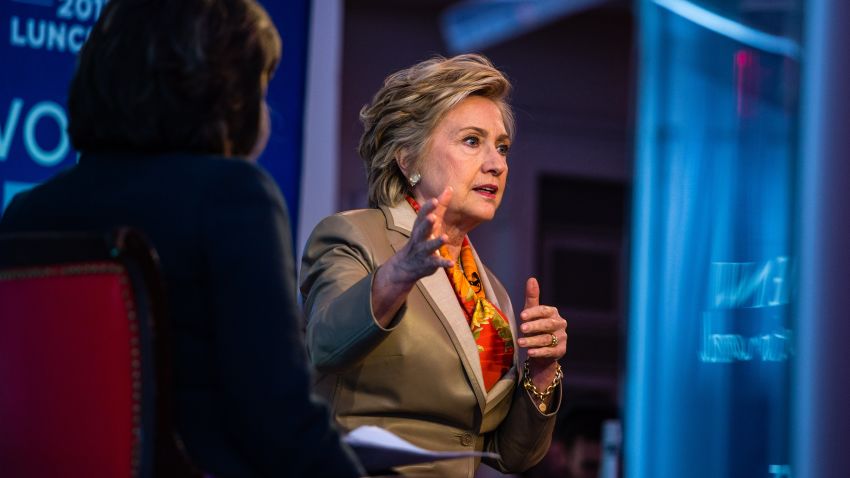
(379, 449)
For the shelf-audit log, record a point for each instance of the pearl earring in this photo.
(414, 179)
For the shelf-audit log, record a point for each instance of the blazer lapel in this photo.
(441, 296)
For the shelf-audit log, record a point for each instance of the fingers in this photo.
(427, 207)
(538, 312)
(544, 326)
(423, 235)
(419, 258)
(429, 219)
(423, 247)
(423, 228)
(540, 346)
(547, 351)
(441, 262)
(540, 324)
(444, 199)
(542, 340)
(532, 293)
(426, 224)
(431, 246)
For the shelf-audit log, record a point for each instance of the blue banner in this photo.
(40, 41)
(282, 157)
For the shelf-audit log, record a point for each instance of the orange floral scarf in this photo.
(490, 329)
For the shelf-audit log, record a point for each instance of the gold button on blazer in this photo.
(421, 377)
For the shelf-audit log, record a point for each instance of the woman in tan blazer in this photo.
(407, 328)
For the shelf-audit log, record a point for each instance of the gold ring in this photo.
(554, 342)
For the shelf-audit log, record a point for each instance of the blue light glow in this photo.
(477, 24)
(732, 29)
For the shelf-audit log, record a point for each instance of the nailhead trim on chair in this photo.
(130, 307)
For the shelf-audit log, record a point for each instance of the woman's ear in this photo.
(402, 158)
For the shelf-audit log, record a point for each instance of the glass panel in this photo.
(711, 336)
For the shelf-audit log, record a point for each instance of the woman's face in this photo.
(468, 151)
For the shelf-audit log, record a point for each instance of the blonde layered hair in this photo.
(404, 112)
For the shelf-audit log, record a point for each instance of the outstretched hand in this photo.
(419, 257)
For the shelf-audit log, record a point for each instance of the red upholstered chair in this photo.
(83, 384)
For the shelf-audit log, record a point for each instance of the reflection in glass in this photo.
(711, 339)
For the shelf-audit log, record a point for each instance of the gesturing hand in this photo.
(418, 258)
(545, 335)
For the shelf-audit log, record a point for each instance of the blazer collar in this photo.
(400, 218)
(441, 296)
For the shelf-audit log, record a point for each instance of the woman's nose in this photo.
(496, 163)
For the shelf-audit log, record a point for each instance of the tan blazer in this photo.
(421, 377)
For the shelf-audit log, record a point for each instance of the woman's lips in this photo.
(487, 190)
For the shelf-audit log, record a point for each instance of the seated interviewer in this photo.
(167, 106)
(407, 328)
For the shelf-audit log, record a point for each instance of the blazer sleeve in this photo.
(268, 411)
(523, 438)
(336, 281)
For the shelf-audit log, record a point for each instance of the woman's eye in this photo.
(471, 141)
(503, 149)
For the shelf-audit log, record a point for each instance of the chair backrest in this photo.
(80, 392)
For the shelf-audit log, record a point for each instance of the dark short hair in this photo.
(173, 76)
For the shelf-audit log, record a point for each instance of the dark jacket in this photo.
(221, 229)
